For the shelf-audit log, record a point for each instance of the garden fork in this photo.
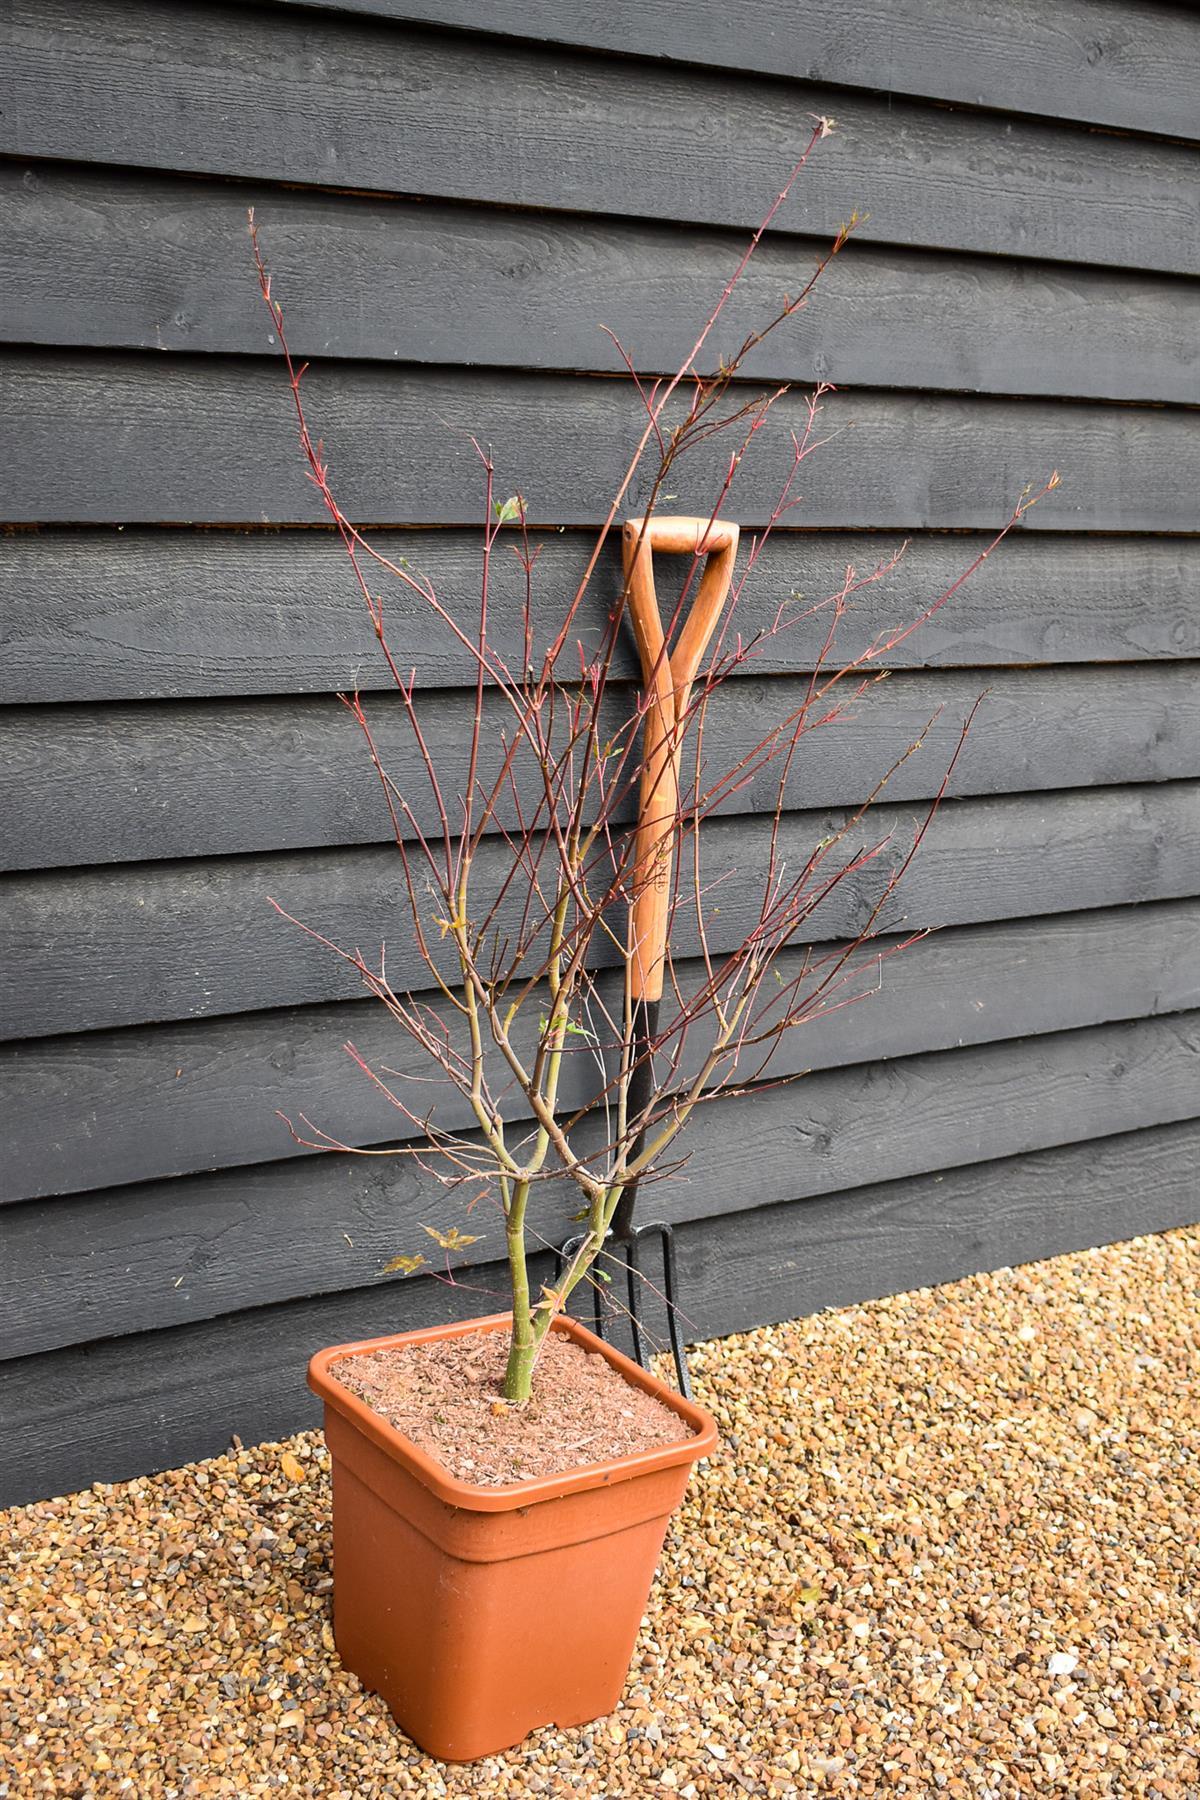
(667, 677)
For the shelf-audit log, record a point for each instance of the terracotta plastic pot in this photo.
(481, 1613)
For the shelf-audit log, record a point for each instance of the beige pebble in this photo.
(918, 1505)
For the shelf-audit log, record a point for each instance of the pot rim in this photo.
(511, 1496)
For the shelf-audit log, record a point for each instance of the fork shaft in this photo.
(641, 1089)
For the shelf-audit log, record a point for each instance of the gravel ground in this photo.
(949, 1548)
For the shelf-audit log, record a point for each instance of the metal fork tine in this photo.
(673, 1331)
(565, 1255)
(633, 1287)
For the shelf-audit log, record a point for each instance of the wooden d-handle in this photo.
(667, 677)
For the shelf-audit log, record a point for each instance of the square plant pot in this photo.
(481, 1613)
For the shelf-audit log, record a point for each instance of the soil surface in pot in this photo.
(445, 1397)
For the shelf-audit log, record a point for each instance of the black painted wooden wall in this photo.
(450, 214)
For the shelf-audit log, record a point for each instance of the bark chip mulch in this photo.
(446, 1397)
(949, 1547)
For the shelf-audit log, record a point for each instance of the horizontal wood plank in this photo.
(359, 103)
(1101, 61)
(133, 1105)
(451, 205)
(125, 437)
(137, 783)
(147, 1258)
(143, 614)
(839, 1249)
(153, 264)
(92, 949)
(120, 1406)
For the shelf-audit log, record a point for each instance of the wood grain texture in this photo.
(359, 103)
(124, 437)
(144, 782)
(107, 1108)
(93, 949)
(1097, 60)
(451, 204)
(146, 1258)
(120, 1406)
(838, 1249)
(162, 264)
(144, 614)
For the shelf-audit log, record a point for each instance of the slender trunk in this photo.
(518, 1376)
(522, 1348)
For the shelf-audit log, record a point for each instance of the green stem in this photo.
(518, 1376)
(600, 1219)
(522, 1347)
